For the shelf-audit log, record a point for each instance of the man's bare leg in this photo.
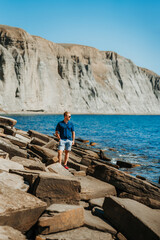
(60, 156)
(66, 157)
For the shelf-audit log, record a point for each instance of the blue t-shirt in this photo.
(65, 129)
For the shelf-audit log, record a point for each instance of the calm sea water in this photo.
(135, 138)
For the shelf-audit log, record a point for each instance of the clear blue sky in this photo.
(129, 27)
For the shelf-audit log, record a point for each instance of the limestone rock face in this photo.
(36, 74)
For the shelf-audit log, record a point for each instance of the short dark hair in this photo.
(65, 113)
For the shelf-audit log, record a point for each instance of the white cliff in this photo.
(36, 74)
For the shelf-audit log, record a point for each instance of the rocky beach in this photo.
(94, 199)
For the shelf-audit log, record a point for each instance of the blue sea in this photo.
(135, 138)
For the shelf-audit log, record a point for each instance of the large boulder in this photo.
(54, 188)
(9, 233)
(7, 121)
(24, 137)
(22, 133)
(61, 217)
(19, 210)
(9, 130)
(12, 149)
(39, 135)
(123, 164)
(49, 156)
(13, 181)
(16, 141)
(97, 223)
(37, 141)
(152, 203)
(94, 188)
(84, 152)
(6, 165)
(133, 219)
(28, 163)
(29, 176)
(124, 181)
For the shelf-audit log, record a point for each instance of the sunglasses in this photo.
(69, 116)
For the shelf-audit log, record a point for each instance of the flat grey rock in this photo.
(13, 181)
(152, 203)
(12, 149)
(125, 182)
(97, 223)
(59, 208)
(93, 188)
(82, 233)
(6, 164)
(17, 141)
(18, 209)
(61, 217)
(28, 163)
(9, 233)
(133, 219)
(55, 188)
(59, 169)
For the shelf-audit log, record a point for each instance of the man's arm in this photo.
(57, 134)
(73, 137)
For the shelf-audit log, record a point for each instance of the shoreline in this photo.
(57, 113)
(90, 190)
(122, 152)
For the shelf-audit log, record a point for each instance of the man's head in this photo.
(67, 116)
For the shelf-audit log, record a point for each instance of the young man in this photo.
(66, 135)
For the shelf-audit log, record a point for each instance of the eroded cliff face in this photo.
(36, 74)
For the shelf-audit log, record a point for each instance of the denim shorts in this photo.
(65, 144)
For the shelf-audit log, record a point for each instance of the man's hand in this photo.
(58, 136)
(72, 142)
